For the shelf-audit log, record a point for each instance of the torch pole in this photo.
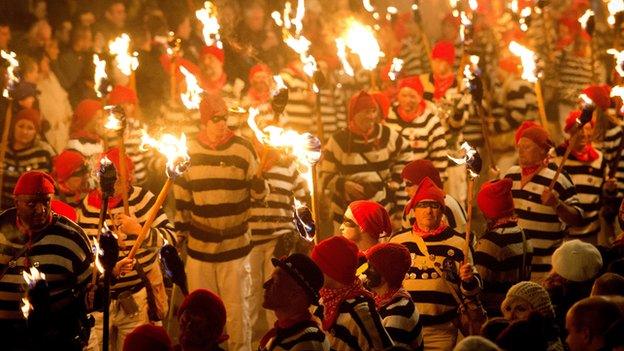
(5, 141)
(153, 212)
(103, 212)
(540, 104)
(172, 79)
(564, 158)
(486, 135)
(314, 170)
(106, 312)
(470, 194)
(123, 172)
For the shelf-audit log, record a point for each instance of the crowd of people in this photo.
(518, 247)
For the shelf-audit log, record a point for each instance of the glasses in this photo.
(349, 223)
(217, 119)
(429, 204)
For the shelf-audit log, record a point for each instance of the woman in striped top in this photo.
(25, 152)
(440, 261)
(542, 214)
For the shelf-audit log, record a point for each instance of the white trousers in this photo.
(232, 282)
(261, 270)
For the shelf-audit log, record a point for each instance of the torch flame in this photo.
(524, 14)
(618, 91)
(585, 17)
(464, 23)
(587, 101)
(112, 122)
(395, 68)
(191, 98)
(279, 84)
(120, 49)
(529, 66)
(33, 277)
(100, 75)
(614, 7)
(474, 4)
(469, 154)
(26, 307)
(619, 60)
(342, 55)
(361, 40)
(174, 149)
(13, 65)
(367, 5)
(208, 17)
(97, 251)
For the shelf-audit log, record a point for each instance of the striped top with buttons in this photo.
(358, 327)
(38, 156)
(540, 223)
(430, 293)
(454, 215)
(140, 201)
(402, 321)
(303, 336)
(213, 198)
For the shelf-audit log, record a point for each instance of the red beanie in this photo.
(34, 183)
(417, 170)
(122, 95)
(495, 200)
(257, 68)
(535, 132)
(391, 261)
(371, 217)
(147, 337)
(444, 50)
(359, 102)
(66, 164)
(427, 190)
(600, 94)
(211, 305)
(412, 82)
(113, 155)
(210, 106)
(337, 257)
(29, 114)
(382, 102)
(571, 120)
(83, 114)
(63, 209)
(214, 51)
(510, 64)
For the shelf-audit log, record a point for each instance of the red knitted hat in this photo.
(257, 68)
(391, 261)
(600, 94)
(83, 114)
(211, 305)
(122, 95)
(372, 218)
(382, 102)
(63, 209)
(337, 257)
(427, 190)
(212, 105)
(29, 114)
(412, 82)
(571, 120)
(495, 200)
(417, 170)
(444, 50)
(510, 64)
(535, 132)
(66, 164)
(214, 51)
(148, 337)
(113, 155)
(34, 183)
(359, 102)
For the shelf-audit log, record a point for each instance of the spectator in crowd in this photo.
(86, 133)
(151, 91)
(202, 318)
(608, 284)
(5, 35)
(588, 320)
(148, 337)
(476, 343)
(531, 333)
(365, 223)
(112, 25)
(74, 61)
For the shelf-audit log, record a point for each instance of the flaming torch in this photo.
(116, 122)
(108, 177)
(178, 160)
(619, 60)
(11, 83)
(100, 78)
(126, 63)
(588, 24)
(395, 68)
(37, 295)
(208, 17)
(530, 73)
(191, 98)
(361, 40)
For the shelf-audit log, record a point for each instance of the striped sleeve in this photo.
(402, 322)
(358, 327)
(299, 109)
(520, 105)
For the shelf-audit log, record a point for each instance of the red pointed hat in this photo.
(214, 51)
(600, 94)
(371, 217)
(495, 199)
(337, 257)
(258, 68)
(536, 133)
(67, 163)
(412, 82)
(427, 190)
(83, 114)
(34, 183)
(212, 105)
(206, 302)
(147, 337)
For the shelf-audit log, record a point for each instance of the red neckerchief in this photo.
(281, 326)
(587, 154)
(424, 234)
(83, 134)
(527, 171)
(441, 84)
(204, 140)
(353, 128)
(94, 199)
(408, 117)
(332, 298)
(502, 222)
(385, 299)
(214, 86)
(257, 97)
(564, 42)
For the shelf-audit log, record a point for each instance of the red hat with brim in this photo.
(445, 51)
(122, 95)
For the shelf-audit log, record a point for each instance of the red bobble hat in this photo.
(391, 261)
(571, 120)
(600, 94)
(29, 114)
(113, 155)
(66, 164)
(34, 183)
(412, 82)
(510, 64)
(495, 200)
(337, 257)
(257, 68)
(148, 337)
(418, 170)
(122, 95)
(83, 114)
(63, 209)
(444, 50)
(535, 132)
(359, 102)
(427, 190)
(210, 106)
(214, 51)
(211, 305)
(383, 103)
(371, 217)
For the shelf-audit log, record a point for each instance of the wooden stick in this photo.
(5, 140)
(153, 212)
(471, 182)
(564, 159)
(123, 172)
(540, 104)
(486, 135)
(315, 204)
(173, 87)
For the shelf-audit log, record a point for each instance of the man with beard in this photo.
(201, 319)
(32, 236)
(292, 288)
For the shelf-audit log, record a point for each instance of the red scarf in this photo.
(94, 199)
(527, 171)
(332, 298)
(257, 97)
(408, 117)
(385, 299)
(441, 84)
(425, 234)
(214, 86)
(204, 140)
(587, 154)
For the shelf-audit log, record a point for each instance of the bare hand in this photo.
(124, 266)
(128, 224)
(466, 273)
(90, 296)
(549, 198)
(353, 190)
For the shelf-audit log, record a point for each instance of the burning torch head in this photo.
(108, 249)
(313, 148)
(108, 176)
(304, 221)
(470, 157)
(38, 293)
(116, 118)
(174, 267)
(319, 79)
(279, 101)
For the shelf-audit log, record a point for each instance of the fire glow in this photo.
(100, 76)
(361, 40)
(395, 68)
(173, 148)
(619, 60)
(210, 31)
(191, 97)
(614, 7)
(120, 49)
(469, 155)
(529, 66)
(10, 57)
